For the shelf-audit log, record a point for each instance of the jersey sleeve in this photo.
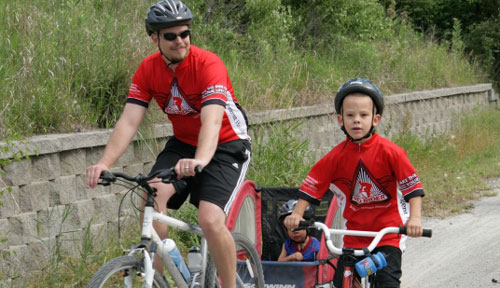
(318, 180)
(138, 91)
(216, 81)
(408, 182)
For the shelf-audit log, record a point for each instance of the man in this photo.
(192, 87)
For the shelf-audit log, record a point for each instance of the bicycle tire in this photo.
(110, 274)
(246, 251)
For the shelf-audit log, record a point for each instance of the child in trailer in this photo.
(299, 246)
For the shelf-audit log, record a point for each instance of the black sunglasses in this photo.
(172, 36)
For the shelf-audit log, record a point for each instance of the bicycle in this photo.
(369, 265)
(135, 268)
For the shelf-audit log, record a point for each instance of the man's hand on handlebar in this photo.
(93, 174)
(188, 167)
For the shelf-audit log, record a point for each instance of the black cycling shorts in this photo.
(219, 181)
(387, 277)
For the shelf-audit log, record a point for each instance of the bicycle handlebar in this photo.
(361, 252)
(166, 175)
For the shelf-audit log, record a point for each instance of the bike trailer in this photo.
(255, 214)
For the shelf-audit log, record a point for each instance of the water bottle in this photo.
(175, 255)
(194, 264)
(194, 260)
(371, 264)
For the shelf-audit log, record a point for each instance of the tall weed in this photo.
(279, 157)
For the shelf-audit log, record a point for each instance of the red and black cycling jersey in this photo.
(373, 182)
(199, 80)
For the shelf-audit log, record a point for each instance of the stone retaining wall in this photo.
(47, 207)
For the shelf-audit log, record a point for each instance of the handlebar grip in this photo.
(425, 233)
(302, 225)
(165, 173)
(169, 175)
(198, 169)
(305, 224)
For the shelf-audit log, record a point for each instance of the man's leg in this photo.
(220, 241)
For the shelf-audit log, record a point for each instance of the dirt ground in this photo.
(464, 250)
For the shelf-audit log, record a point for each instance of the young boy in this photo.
(375, 183)
(299, 246)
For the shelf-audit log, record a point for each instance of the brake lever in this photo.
(106, 178)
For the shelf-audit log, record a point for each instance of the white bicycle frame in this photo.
(377, 236)
(148, 232)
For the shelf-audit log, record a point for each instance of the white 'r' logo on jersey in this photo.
(177, 104)
(367, 190)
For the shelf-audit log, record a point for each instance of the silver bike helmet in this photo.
(359, 85)
(287, 209)
(167, 13)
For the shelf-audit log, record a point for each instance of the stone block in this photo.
(134, 169)
(103, 233)
(85, 212)
(13, 262)
(148, 166)
(4, 233)
(17, 173)
(5, 282)
(64, 191)
(40, 254)
(45, 167)
(35, 197)
(10, 202)
(127, 158)
(106, 208)
(73, 242)
(93, 154)
(72, 162)
(24, 227)
(55, 221)
(146, 150)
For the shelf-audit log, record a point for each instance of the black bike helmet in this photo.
(287, 209)
(167, 13)
(360, 85)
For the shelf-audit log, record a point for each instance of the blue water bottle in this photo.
(371, 264)
(175, 255)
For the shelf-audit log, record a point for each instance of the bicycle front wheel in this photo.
(125, 271)
(249, 271)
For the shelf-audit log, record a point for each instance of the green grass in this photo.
(453, 167)
(66, 66)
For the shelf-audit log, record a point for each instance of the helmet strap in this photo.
(171, 62)
(368, 135)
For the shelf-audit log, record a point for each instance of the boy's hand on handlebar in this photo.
(414, 227)
(292, 221)
(93, 174)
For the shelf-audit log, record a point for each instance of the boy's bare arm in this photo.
(297, 256)
(414, 224)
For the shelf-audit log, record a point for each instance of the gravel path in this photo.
(464, 250)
